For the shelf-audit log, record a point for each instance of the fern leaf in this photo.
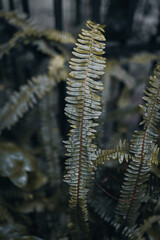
(83, 105)
(145, 151)
(56, 68)
(21, 101)
(26, 38)
(121, 152)
(18, 20)
(41, 39)
(58, 36)
(28, 33)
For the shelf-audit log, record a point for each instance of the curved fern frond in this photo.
(83, 106)
(18, 20)
(21, 101)
(21, 21)
(56, 68)
(28, 33)
(40, 39)
(145, 151)
(142, 58)
(115, 70)
(26, 38)
(53, 35)
(121, 152)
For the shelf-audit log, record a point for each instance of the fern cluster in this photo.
(142, 152)
(145, 152)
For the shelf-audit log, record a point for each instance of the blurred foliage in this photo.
(33, 197)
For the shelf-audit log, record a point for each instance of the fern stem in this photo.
(83, 107)
(80, 149)
(112, 196)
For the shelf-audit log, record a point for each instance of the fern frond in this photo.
(53, 35)
(21, 101)
(21, 21)
(121, 152)
(59, 73)
(18, 20)
(142, 58)
(83, 105)
(29, 34)
(26, 38)
(145, 151)
(115, 70)
(40, 39)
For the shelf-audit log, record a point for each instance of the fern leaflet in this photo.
(121, 152)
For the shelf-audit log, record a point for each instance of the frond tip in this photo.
(83, 105)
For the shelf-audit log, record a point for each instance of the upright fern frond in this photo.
(145, 151)
(83, 105)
